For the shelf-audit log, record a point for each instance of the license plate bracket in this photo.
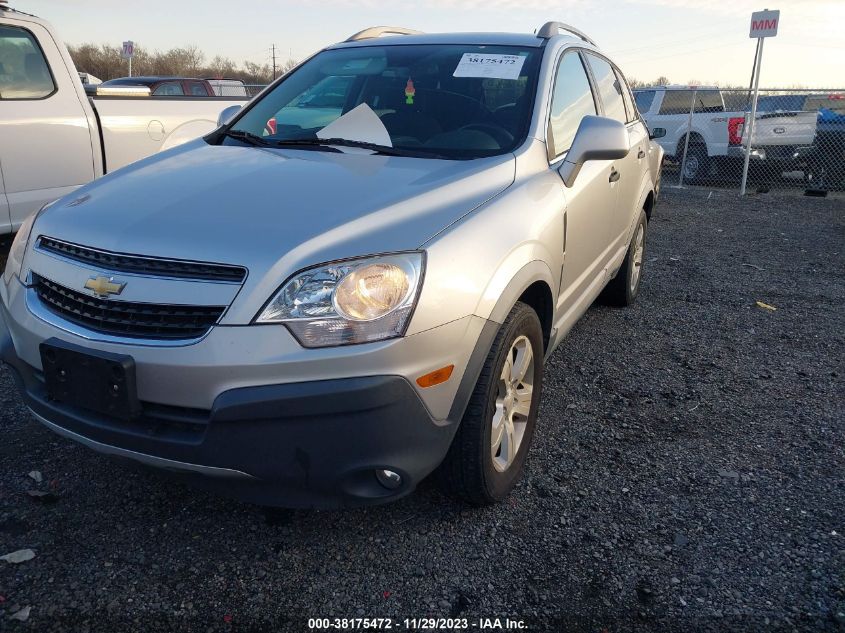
(95, 380)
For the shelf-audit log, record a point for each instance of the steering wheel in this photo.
(499, 134)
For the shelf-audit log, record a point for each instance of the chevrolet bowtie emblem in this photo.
(104, 287)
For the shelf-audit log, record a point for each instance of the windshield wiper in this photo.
(344, 142)
(327, 143)
(248, 137)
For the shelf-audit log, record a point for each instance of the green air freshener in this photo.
(410, 91)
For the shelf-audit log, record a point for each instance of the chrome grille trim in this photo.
(141, 321)
(141, 264)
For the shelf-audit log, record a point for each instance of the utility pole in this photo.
(273, 49)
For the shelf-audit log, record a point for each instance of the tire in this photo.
(474, 470)
(815, 177)
(625, 286)
(698, 164)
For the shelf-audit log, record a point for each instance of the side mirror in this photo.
(598, 138)
(658, 132)
(227, 114)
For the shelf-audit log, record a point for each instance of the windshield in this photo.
(448, 101)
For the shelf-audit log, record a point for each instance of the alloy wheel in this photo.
(513, 403)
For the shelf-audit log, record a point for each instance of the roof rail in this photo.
(550, 29)
(376, 31)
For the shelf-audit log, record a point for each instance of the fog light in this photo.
(389, 479)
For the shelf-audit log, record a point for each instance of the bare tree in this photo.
(104, 61)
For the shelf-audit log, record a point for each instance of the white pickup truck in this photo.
(717, 137)
(54, 138)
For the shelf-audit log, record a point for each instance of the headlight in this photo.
(348, 302)
(18, 250)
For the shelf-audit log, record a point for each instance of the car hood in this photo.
(273, 211)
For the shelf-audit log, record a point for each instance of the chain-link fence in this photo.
(797, 138)
(254, 89)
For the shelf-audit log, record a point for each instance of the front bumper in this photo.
(236, 414)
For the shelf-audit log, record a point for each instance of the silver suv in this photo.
(353, 282)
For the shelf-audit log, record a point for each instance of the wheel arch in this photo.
(695, 138)
(532, 284)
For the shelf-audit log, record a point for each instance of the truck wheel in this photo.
(623, 289)
(488, 453)
(815, 177)
(698, 164)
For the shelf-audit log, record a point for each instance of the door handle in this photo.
(614, 176)
(641, 154)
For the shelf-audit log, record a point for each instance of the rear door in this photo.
(618, 104)
(46, 149)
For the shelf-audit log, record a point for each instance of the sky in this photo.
(688, 41)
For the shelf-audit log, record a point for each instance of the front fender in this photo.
(481, 265)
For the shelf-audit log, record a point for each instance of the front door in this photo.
(45, 143)
(591, 201)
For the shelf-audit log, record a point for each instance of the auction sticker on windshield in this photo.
(489, 66)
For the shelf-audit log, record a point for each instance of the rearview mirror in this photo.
(658, 132)
(227, 114)
(598, 138)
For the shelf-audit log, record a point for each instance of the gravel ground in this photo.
(687, 475)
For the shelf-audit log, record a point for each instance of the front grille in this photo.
(124, 318)
(124, 263)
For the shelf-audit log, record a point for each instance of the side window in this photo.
(331, 92)
(630, 110)
(644, 99)
(169, 89)
(609, 89)
(676, 102)
(197, 89)
(24, 73)
(572, 100)
(709, 101)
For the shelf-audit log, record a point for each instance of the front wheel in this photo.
(624, 288)
(488, 453)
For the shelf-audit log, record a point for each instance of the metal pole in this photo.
(130, 66)
(686, 140)
(750, 126)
